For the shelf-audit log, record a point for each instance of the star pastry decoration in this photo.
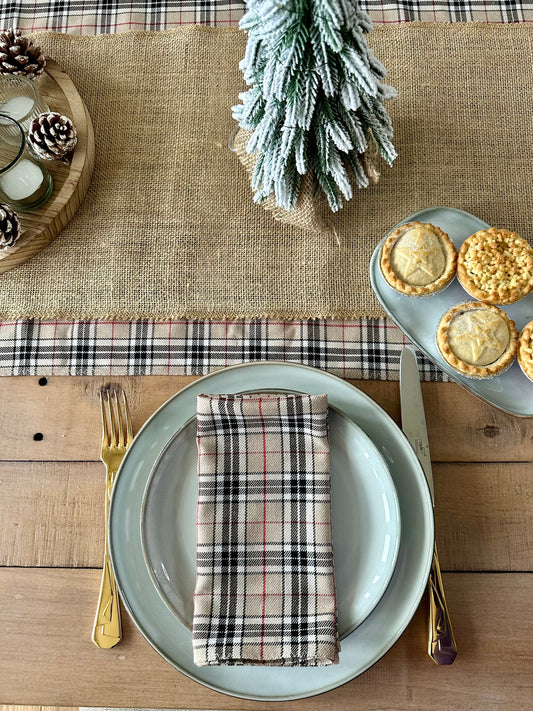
(481, 335)
(417, 255)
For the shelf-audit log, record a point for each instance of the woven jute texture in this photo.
(168, 227)
(307, 213)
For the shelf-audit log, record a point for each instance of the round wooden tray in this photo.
(39, 227)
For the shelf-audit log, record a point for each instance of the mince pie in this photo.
(496, 266)
(418, 259)
(477, 339)
(525, 350)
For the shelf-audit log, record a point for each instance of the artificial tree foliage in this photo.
(315, 102)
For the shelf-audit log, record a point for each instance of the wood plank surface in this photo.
(484, 516)
(46, 652)
(51, 515)
(51, 543)
(66, 412)
(5, 707)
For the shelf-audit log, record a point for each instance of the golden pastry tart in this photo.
(496, 266)
(525, 350)
(418, 259)
(477, 339)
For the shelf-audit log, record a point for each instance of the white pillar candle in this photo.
(22, 180)
(17, 107)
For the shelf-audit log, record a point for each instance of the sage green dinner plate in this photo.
(382, 627)
(418, 317)
(366, 522)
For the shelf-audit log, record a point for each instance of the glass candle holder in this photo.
(25, 183)
(20, 98)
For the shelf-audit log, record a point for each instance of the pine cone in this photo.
(9, 226)
(18, 55)
(52, 136)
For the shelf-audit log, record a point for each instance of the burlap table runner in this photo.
(168, 227)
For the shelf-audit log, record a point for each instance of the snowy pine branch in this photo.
(315, 95)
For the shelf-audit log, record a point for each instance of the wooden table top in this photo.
(51, 547)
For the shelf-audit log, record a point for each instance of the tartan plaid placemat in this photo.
(96, 16)
(265, 588)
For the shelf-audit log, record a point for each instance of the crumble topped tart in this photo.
(525, 350)
(477, 339)
(418, 259)
(496, 266)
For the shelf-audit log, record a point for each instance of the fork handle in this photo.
(107, 629)
(442, 647)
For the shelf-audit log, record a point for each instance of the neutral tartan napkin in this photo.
(265, 588)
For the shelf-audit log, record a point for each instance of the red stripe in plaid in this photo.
(363, 348)
(96, 17)
(262, 646)
(265, 590)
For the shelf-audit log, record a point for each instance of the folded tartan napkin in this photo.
(265, 588)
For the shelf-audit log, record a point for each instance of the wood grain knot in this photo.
(491, 431)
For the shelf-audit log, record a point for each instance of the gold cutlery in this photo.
(442, 647)
(116, 438)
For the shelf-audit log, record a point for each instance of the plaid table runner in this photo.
(364, 349)
(265, 589)
(96, 16)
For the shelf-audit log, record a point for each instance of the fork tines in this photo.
(116, 420)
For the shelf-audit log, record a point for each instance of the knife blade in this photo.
(413, 417)
(442, 647)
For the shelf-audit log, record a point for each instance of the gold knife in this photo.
(442, 647)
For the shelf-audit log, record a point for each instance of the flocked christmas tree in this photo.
(315, 103)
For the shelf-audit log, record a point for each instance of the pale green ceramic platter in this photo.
(381, 628)
(418, 318)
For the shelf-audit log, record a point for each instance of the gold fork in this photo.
(117, 436)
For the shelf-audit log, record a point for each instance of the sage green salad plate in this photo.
(418, 317)
(361, 647)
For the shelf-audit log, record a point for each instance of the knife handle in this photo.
(442, 647)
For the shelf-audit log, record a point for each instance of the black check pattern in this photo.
(265, 589)
(108, 16)
(366, 349)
